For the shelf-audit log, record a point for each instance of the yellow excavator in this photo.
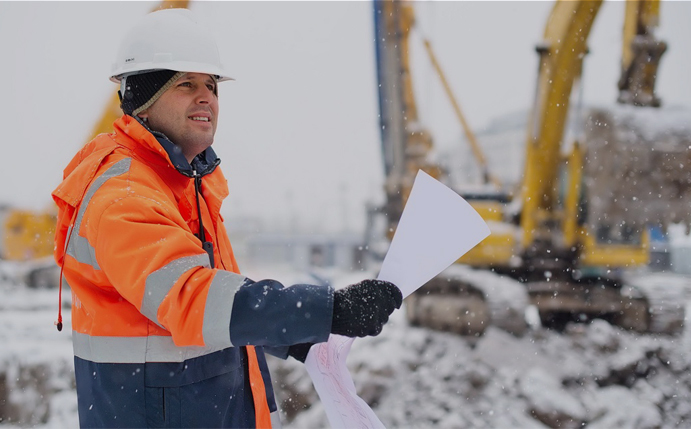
(581, 216)
(26, 245)
(28, 236)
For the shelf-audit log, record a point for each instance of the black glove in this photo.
(299, 351)
(363, 308)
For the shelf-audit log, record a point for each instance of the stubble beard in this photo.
(193, 143)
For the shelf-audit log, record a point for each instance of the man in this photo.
(166, 331)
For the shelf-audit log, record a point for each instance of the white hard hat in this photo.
(168, 39)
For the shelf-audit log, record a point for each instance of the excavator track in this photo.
(566, 300)
(665, 297)
(467, 301)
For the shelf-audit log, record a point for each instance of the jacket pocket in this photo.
(176, 374)
(155, 407)
(220, 401)
(163, 407)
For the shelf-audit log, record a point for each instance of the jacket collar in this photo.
(161, 149)
(156, 142)
(203, 164)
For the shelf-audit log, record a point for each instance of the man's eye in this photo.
(186, 84)
(211, 87)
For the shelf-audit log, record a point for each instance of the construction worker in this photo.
(166, 332)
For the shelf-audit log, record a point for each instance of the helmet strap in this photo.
(123, 86)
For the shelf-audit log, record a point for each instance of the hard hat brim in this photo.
(183, 66)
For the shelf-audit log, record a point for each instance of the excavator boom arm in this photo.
(561, 59)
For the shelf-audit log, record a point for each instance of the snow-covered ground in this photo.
(595, 375)
(36, 369)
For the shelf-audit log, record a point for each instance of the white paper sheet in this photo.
(436, 228)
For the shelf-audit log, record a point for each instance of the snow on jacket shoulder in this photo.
(145, 294)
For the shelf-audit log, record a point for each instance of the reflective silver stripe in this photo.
(159, 283)
(275, 420)
(79, 247)
(219, 305)
(134, 349)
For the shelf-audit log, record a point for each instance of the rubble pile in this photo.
(595, 376)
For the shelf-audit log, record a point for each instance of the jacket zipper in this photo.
(206, 245)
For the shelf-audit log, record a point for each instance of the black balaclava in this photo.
(142, 90)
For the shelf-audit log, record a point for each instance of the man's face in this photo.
(187, 113)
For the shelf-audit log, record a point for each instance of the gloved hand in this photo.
(363, 308)
(299, 351)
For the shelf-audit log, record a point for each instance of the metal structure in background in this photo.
(566, 235)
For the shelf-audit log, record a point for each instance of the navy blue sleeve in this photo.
(266, 313)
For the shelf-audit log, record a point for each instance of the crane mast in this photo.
(405, 143)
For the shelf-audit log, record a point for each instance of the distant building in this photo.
(254, 242)
(679, 249)
(305, 251)
(502, 142)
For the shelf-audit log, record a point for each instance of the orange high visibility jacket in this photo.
(156, 319)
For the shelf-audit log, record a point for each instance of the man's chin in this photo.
(203, 143)
(202, 138)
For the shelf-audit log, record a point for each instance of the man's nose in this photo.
(204, 95)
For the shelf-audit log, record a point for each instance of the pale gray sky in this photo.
(299, 133)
